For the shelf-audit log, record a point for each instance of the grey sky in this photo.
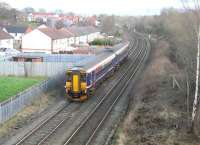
(88, 7)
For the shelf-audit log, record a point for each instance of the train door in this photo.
(76, 82)
(93, 78)
(115, 61)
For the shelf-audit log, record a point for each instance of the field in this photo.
(10, 86)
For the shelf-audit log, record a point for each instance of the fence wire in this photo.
(15, 104)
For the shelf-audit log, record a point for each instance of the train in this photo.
(81, 81)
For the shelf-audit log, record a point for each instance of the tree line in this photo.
(181, 28)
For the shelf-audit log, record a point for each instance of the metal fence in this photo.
(54, 70)
(5, 58)
(15, 104)
(32, 69)
(48, 69)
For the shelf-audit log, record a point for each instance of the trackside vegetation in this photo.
(10, 86)
(102, 42)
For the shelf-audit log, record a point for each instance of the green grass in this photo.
(10, 86)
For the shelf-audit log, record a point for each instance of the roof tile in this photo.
(4, 35)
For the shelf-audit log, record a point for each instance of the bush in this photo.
(102, 42)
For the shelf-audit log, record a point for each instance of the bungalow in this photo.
(47, 40)
(6, 40)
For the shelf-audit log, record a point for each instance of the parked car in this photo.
(8, 51)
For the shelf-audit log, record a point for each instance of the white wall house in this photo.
(47, 40)
(6, 40)
(83, 39)
(83, 35)
(76, 40)
(36, 41)
(71, 37)
(93, 36)
(63, 44)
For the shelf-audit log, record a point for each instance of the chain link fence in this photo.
(54, 70)
(15, 104)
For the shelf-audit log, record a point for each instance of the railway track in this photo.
(54, 140)
(84, 134)
(42, 133)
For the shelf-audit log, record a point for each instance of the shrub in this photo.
(102, 42)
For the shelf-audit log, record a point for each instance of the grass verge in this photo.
(10, 86)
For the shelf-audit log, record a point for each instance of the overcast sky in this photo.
(88, 7)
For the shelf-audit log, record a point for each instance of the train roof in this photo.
(105, 54)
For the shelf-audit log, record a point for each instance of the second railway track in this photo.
(84, 134)
(43, 133)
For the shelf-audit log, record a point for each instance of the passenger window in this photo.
(83, 77)
(68, 76)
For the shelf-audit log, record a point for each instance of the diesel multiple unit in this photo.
(81, 81)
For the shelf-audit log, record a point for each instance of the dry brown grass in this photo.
(18, 120)
(158, 114)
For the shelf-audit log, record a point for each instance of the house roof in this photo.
(56, 34)
(4, 35)
(42, 14)
(16, 29)
(78, 31)
(68, 32)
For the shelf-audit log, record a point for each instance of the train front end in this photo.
(76, 86)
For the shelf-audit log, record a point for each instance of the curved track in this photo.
(84, 134)
(43, 133)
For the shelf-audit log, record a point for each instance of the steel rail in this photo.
(96, 107)
(112, 106)
(53, 116)
(46, 137)
(39, 126)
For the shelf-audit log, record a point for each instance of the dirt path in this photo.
(158, 113)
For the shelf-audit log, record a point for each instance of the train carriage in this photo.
(81, 81)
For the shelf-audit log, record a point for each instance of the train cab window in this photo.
(83, 77)
(68, 76)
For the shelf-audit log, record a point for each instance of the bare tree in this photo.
(195, 25)
(8, 13)
(59, 24)
(108, 24)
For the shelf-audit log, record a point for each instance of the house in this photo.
(33, 17)
(6, 40)
(42, 26)
(17, 31)
(47, 40)
(92, 33)
(71, 36)
(75, 35)
(92, 21)
(84, 34)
